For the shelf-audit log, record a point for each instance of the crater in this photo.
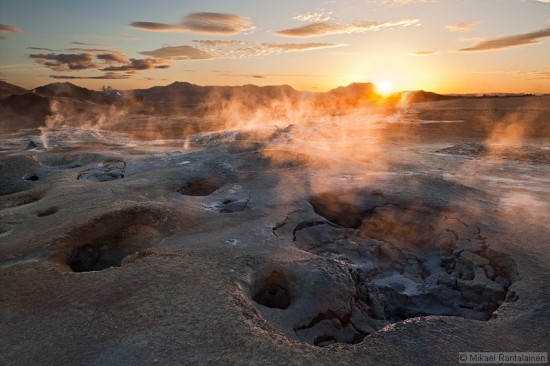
(273, 291)
(17, 174)
(105, 171)
(20, 200)
(108, 240)
(401, 262)
(110, 251)
(65, 161)
(47, 212)
(202, 186)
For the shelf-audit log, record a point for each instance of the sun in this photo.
(383, 88)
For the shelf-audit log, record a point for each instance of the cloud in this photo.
(233, 49)
(107, 61)
(92, 50)
(536, 75)
(290, 47)
(42, 49)
(460, 27)
(522, 74)
(509, 41)
(4, 28)
(108, 76)
(9, 28)
(218, 42)
(135, 64)
(202, 23)
(157, 27)
(424, 53)
(93, 44)
(113, 57)
(313, 17)
(65, 61)
(217, 23)
(179, 53)
(324, 28)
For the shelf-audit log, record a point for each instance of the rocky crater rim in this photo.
(108, 241)
(383, 263)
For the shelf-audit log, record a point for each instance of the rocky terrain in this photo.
(386, 235)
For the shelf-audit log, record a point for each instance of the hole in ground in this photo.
(47, 211)
(106, 241)
(33, 178)
(18, 201)
(401, 263)
(273, 291)
(201, 186)
(65, 161)
(106, 171)
(109, 251)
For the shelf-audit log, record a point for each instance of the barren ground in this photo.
(339, 240)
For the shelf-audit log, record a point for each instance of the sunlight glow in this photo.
(384, 88)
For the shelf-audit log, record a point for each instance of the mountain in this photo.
(7, 89)
(187, 94)
(23, 111)
(180, 93)
(69, 90)
(420, 96)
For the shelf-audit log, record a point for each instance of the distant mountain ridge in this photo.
(184, 93)
(7, 89)
(191, 95)
(69, 90)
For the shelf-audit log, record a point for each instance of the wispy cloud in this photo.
(509, 41)
(245, 49)
(92, 44)
(460, 27)
(423, 53)
(202, 23)
(522, 74)
(315, 16)
(293, 47)
(108, 76)
(92, 50)
(42, 49)
(4, 28)
(179, 53)
(325, 28)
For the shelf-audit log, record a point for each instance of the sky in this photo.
(445, 46)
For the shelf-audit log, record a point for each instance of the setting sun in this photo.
(384, 88)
